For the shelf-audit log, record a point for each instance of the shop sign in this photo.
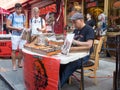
(92, 4)
(50, 9)
(89, 1)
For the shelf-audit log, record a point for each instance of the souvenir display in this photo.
(42, 45)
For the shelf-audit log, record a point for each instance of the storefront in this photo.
(96, 7)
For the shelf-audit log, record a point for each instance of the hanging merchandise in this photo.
(49, 22)
(59, 22)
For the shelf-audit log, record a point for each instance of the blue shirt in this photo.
(17, 22)
(86, 33)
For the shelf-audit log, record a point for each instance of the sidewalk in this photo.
(13, 78)
(16, 81)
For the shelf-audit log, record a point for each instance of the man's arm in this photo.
(43, 26)
(81, 46)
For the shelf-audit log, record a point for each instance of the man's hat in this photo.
(77, 16)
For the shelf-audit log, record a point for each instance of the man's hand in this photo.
(75, 42)
(20, 29)
(39, 29)
(87, 44)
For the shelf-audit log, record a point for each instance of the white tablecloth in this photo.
(64, 59)
(5, 35)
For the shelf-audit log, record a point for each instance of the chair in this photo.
(92, 65)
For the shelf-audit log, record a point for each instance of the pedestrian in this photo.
(90, 21)
(16, 23)
(37, 23)
(102, 18)
(83, 40)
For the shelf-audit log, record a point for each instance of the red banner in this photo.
(50, 8)
(41, 73)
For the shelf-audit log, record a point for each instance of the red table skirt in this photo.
(41, 73)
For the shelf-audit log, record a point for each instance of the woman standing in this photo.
(90, 21)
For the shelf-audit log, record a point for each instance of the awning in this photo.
(7, 4)
(4, 11)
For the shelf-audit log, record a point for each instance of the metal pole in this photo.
(2, 22)
(82, 76)
(65, 12)
(83, 7)
(117, 75)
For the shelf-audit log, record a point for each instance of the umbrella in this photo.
(3, 11)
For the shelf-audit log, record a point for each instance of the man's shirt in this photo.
(17, 22)
(36, 23)
(85, 34)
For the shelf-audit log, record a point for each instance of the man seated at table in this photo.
(83, 40)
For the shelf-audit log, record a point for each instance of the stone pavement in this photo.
(14, 79)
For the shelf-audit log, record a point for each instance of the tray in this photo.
(44, 50)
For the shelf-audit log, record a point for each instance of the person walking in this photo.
(16, 23)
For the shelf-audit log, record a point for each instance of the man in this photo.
(83, 40)
(37, 24)
(16, 23)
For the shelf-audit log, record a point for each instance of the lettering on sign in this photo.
(2, 43)
(91, 4)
